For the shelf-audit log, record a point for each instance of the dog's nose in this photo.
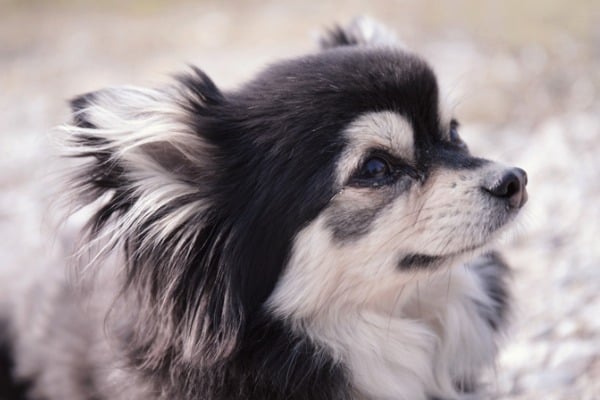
(511, 186)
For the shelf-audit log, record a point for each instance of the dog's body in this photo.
(303, 237)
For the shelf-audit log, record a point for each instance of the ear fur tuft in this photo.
(149, 174)
(362, 31)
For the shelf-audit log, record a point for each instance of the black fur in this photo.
(338, 37)
(415, 261)
(494, 272)
(11, 388)
(285, 366)
(350, 224)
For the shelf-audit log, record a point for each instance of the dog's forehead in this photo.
(347, 82)
(366, 68)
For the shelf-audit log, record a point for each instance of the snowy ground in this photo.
(524, 78)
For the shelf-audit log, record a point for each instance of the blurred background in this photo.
(523, 77)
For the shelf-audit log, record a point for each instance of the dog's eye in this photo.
(382, 170)
(375, 168)
(374, 171)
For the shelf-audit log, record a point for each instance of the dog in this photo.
(321, 232)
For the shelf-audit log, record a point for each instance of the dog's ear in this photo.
(149, 173)
(362, 31)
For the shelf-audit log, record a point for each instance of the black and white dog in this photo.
(317, 233)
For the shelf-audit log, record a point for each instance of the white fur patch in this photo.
(144, 131)
(367, 31)
(402, 335)
(450, 213)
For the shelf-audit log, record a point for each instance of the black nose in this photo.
(511, 186)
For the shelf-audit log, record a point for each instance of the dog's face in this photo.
(408, 195)
(329, 180)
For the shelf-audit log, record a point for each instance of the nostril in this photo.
(512, 188)
(508, 185)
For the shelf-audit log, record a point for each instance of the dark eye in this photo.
(375, 168)
(380, 170)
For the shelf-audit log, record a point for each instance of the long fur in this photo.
(243, 250)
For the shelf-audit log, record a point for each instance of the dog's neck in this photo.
(427, 341)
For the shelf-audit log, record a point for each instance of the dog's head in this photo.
(327, 181)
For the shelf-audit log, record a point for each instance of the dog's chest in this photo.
(433, 343)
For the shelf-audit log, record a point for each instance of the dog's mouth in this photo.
(414, 261)
(496, 223)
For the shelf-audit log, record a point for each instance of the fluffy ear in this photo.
(149, 174)
(362, 31)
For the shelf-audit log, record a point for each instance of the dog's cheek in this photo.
(325, 274)
(353, 212)
(309, 277)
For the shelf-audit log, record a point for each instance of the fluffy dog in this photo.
(314, 234)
